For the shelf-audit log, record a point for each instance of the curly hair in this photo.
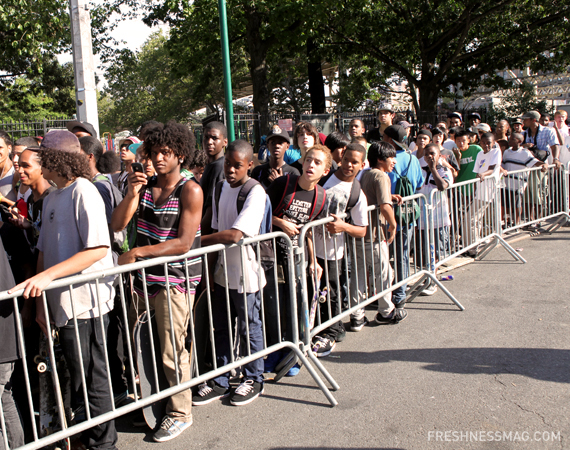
(177, 137)
(65, 164)
(200, 159)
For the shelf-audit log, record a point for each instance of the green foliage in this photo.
(516, 103)
(30, 29)
(38, 95)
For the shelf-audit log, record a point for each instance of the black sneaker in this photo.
(358, 324)
(246, 392)
(208, 392)
(340, 336)
(399, 315)
(323, 346)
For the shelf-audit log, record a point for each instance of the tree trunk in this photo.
(316, 82)
(428, 94)
(257, 49)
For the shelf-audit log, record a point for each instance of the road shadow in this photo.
(539, 363)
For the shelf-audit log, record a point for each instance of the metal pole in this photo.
(227, 72)
(83, 64)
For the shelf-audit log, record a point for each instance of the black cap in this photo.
(278, 131)
(85, 126)
(397, 134)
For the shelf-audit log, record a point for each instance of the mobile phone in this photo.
(137, 167)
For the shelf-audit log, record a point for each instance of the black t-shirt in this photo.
(35, 216)
(374, 135)
(298, 212)
(22, 261)
(213, 172)
(9, 351)
(261, 173)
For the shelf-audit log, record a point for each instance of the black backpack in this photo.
(266, 253)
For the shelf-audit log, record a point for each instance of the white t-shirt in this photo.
(486, 189)
(338, 194)
(73, 219)
(248, 222)
(563, 131)
(440, 203)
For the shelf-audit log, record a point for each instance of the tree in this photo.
(432, 44)
(517, 102)
(39, 95)
(28, 31)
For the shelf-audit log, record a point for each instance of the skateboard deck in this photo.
(49, 420)
(153, 413)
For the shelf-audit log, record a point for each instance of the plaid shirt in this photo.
(545, 138)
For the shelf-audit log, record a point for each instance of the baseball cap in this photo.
(404, 123)
(531, 115)
(455, 114)
(133, 139)
(474, 114)
(485, 128)
(134, 147)
(518, 120)
(61, 140)
(397, 134)
(385, 106)
(85, 126)
(278, 131)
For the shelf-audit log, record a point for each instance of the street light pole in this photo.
(227, 71)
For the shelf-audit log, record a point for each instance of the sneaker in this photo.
(430, 290)
(246, 392)
(121, 398)
(323, 346)
(294, 371)
(169, 429)
(399, 315)
(208, 392)
(358, 324)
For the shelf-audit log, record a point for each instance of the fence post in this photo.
(45, 126)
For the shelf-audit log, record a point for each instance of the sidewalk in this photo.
(502, 365)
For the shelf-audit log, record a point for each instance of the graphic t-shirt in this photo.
(484, 161)
(440, 203)
(467, 163)
(35, 217)
(298, 212)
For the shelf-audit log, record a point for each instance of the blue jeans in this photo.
(102, 436)
(253, 370)
(11, 413)
(402, 264)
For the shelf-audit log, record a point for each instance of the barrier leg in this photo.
(414, 289)
(445, 291)
(324, 371)
(511, 250)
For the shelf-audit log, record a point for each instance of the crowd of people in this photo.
(69, 207)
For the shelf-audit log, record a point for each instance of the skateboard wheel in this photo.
(42, 367)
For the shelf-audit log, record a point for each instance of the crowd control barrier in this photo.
(469, 217)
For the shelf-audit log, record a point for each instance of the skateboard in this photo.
(49, 420)
(154, 413)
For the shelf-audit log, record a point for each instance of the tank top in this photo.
(158, 224)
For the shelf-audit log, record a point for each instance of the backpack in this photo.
(407, 213)
(119, 242)
(289, 195)
(354, 192)
(266, 254)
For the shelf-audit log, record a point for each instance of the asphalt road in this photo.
(495, 376)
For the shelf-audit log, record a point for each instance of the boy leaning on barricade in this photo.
(74, 238)
(438, 177)
(487, 168)
(343, 196)
(295, 200)
(244, 279)
(374, 263)
(168, 223)
(516, 158)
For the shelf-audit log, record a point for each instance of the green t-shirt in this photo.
(467, 163)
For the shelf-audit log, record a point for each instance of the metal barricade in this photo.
(250, 349)
(533, 196)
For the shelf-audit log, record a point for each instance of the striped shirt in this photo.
(157, 224)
